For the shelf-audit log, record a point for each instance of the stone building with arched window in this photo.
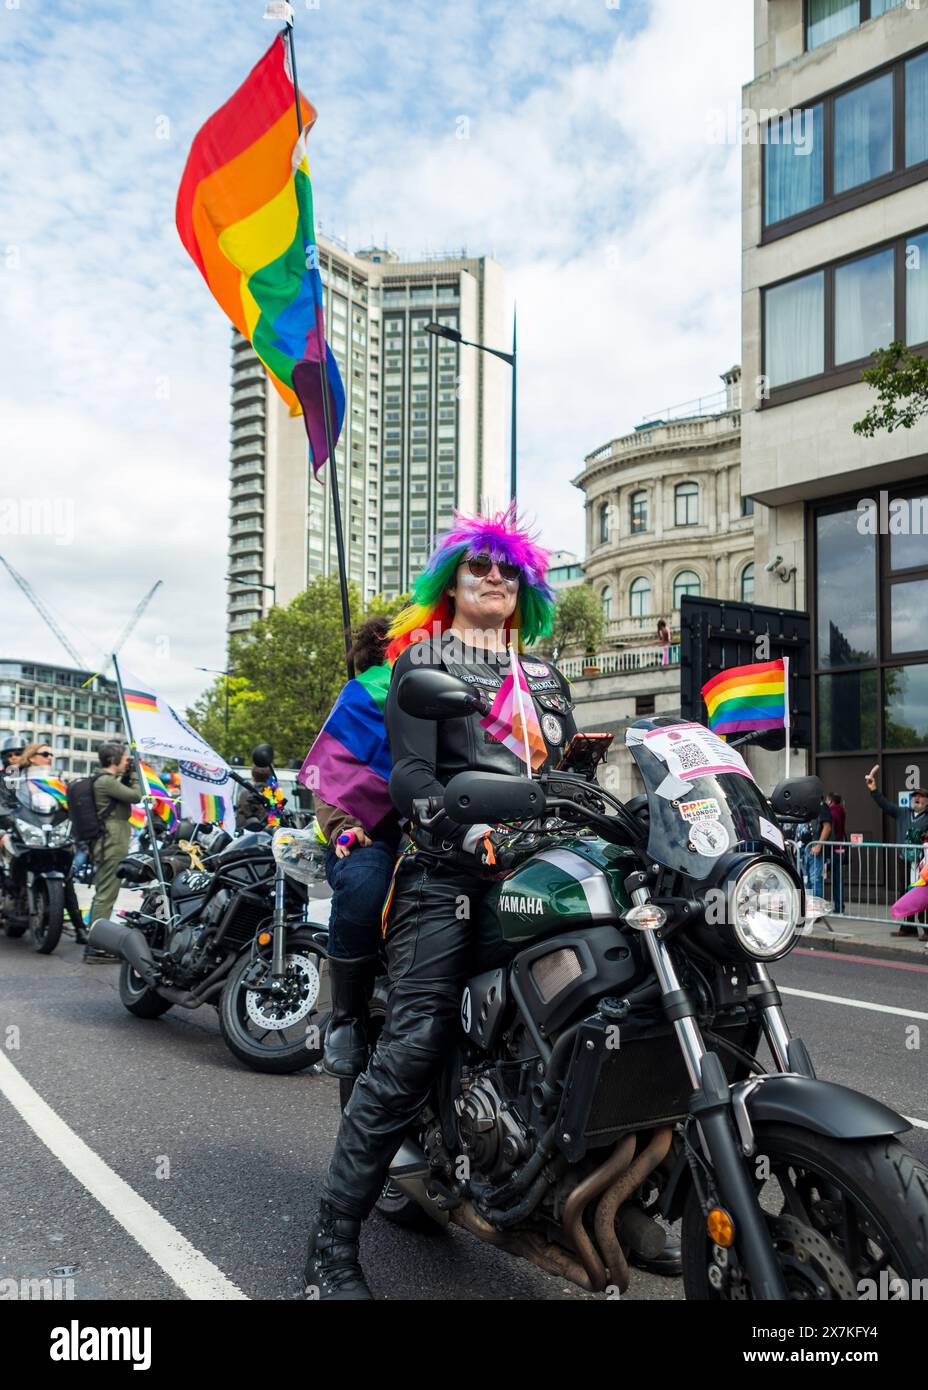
(664, 517)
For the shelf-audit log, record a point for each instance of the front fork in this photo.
(712, 1106)
(279, 947)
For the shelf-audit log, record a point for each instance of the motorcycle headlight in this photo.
(765, 910)
(31, 834)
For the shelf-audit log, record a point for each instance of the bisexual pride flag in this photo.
(245, 215)
(349, 764)
(744, 698)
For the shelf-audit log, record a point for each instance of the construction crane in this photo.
(130, 625)
(44, 614)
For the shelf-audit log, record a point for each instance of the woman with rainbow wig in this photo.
(483, 591)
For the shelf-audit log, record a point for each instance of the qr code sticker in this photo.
(690, 755)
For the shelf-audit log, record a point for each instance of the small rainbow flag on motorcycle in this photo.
(212, 808)
(744, 698)
(512, 719)
(52, 786)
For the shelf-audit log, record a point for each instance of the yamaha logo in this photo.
(510, 903)
(466, 1010)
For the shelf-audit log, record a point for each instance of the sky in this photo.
(591, 170)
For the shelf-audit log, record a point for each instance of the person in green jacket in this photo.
(116, 790)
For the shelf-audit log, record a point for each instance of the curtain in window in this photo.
(829, 18)
(794, 161)
(864, 133)
(916, 109)
(795, 329)
(863, 306)
(916, 289)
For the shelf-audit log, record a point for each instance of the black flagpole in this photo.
(327, 416)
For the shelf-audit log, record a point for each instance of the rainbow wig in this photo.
(432, 611)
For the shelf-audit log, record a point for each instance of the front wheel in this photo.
(276, 1031)
(847, 1217)
(48, 915)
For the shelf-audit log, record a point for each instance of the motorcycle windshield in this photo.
(32, 798)
(702, 800)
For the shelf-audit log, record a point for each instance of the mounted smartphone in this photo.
(584, 753)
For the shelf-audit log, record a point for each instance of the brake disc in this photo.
(293, 1003)
(808, 1257)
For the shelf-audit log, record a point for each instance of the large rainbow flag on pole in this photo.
(744, 698)
(245, 215)
(349, 764)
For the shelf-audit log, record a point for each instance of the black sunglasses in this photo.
(480, 566)
(44, 753)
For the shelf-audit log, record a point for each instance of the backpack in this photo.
(87, 822)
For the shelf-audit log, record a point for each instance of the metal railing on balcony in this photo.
(617, 663)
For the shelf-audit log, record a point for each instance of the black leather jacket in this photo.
(428, 753)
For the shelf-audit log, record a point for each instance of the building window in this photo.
(747, 584)
(606, 601)
(644, 704)
(863, 133)
(916, 289)
(639, 512)
(826, 19)
(639, 598)
(863, 306)
(916, 110)
(794, 330)
(747, 506)
(685, 583)
(686, 505)
(604, 523)
(794, 164)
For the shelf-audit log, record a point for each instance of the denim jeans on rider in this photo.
(359, 886)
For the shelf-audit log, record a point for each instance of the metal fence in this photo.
(861, 881)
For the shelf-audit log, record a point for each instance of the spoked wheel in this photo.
(393, 1203)
(276, 1031)
(841, 1213)
(48, 915)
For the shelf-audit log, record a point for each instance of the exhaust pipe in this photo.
(127, 942)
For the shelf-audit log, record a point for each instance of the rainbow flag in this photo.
(212, 808)
(245, 215)
(349, 764)
(141, 700)
(505, 725)
(164, 809)
(747, 697)
(156, 786)
(52, 786)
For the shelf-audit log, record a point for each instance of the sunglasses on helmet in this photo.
(480, 566)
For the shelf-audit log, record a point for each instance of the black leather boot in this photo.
(333, 1272)
(346, 1043)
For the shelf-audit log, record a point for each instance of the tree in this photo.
(289, 668)
(578, 620)
(901, 380)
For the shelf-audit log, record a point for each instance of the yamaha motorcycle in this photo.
(609, 1067)
(35, 865)
(227, 929)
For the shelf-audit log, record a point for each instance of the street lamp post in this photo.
(452, 334)
(250, 584)
(219, 671)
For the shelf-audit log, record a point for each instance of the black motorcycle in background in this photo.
(36, 888)
(228, 930)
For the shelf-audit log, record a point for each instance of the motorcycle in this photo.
(35, 866)
(607, 1071)
(230, 930)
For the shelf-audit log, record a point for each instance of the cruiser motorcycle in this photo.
(610, 1069)
(36, 889)
(232, 931)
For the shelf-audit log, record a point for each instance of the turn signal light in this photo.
(264, 938)
(721, 1228)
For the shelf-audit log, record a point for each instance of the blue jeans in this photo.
(814, 871)
(359, 886)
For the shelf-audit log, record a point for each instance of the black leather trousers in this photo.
(431, 950)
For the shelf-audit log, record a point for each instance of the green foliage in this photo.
(289, 669)
(578, 620)
(901, 381)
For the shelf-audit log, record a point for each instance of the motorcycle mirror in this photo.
(431, 694)
(263, 755)
(798, 798)
(474, 797)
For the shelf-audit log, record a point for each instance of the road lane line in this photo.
(861, 960)
(191, 1271)
(921, 1124)
(852, 1003)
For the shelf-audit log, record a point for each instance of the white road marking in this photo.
(853, 1003)
(191, 1271)
(920, 1124)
